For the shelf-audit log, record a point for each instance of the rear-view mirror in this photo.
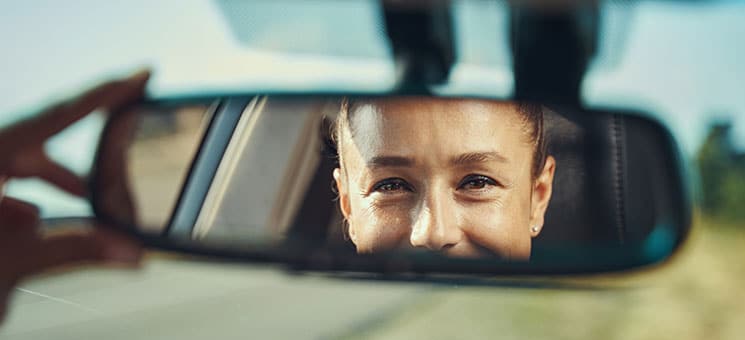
(394, 184)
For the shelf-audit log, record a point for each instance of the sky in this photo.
(680, 63)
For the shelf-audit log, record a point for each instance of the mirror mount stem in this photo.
(421, 39)
(551, 51)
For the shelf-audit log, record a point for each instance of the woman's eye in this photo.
(391, 185)
(476, 182)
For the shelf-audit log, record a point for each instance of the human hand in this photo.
(25, 249)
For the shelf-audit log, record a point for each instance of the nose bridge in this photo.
(434, 226)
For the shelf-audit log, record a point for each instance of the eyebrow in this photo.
(390, 161)
(468, 158)
(477, 157)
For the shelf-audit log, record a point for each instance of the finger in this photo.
(74, 248)
(15, 213)
(105, 95)
(61, 177)
(111, 182)
(135, 84)
(55, 119)
(35, 163)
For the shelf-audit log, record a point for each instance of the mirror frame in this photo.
(325, 259)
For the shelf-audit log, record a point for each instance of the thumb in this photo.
(83, 247)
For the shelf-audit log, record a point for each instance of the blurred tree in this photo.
(722, 171)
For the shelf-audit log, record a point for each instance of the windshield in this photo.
(652, 56)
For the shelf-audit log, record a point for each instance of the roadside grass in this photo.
(699, 294)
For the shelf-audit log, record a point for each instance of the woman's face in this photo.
(453, 176)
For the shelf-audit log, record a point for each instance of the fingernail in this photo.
(123, 252)
(141, 75)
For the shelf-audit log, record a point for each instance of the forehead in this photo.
(446, 110)
(434, 106)
(407, 125)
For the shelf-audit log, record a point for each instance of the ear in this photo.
(344, 205)
(542, 188)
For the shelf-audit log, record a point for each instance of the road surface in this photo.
(170, 299)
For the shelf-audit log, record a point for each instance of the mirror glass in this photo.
(463, 178)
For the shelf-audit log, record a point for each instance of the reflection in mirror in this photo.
(143, 161)
(476, 181)
(460, 177)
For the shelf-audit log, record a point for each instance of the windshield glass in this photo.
(680, 62)
(224, 45)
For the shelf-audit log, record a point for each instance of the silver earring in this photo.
(534, 228)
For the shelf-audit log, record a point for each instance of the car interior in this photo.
(600, 196)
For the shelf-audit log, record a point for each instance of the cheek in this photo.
(378, 228)
(501, 228)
